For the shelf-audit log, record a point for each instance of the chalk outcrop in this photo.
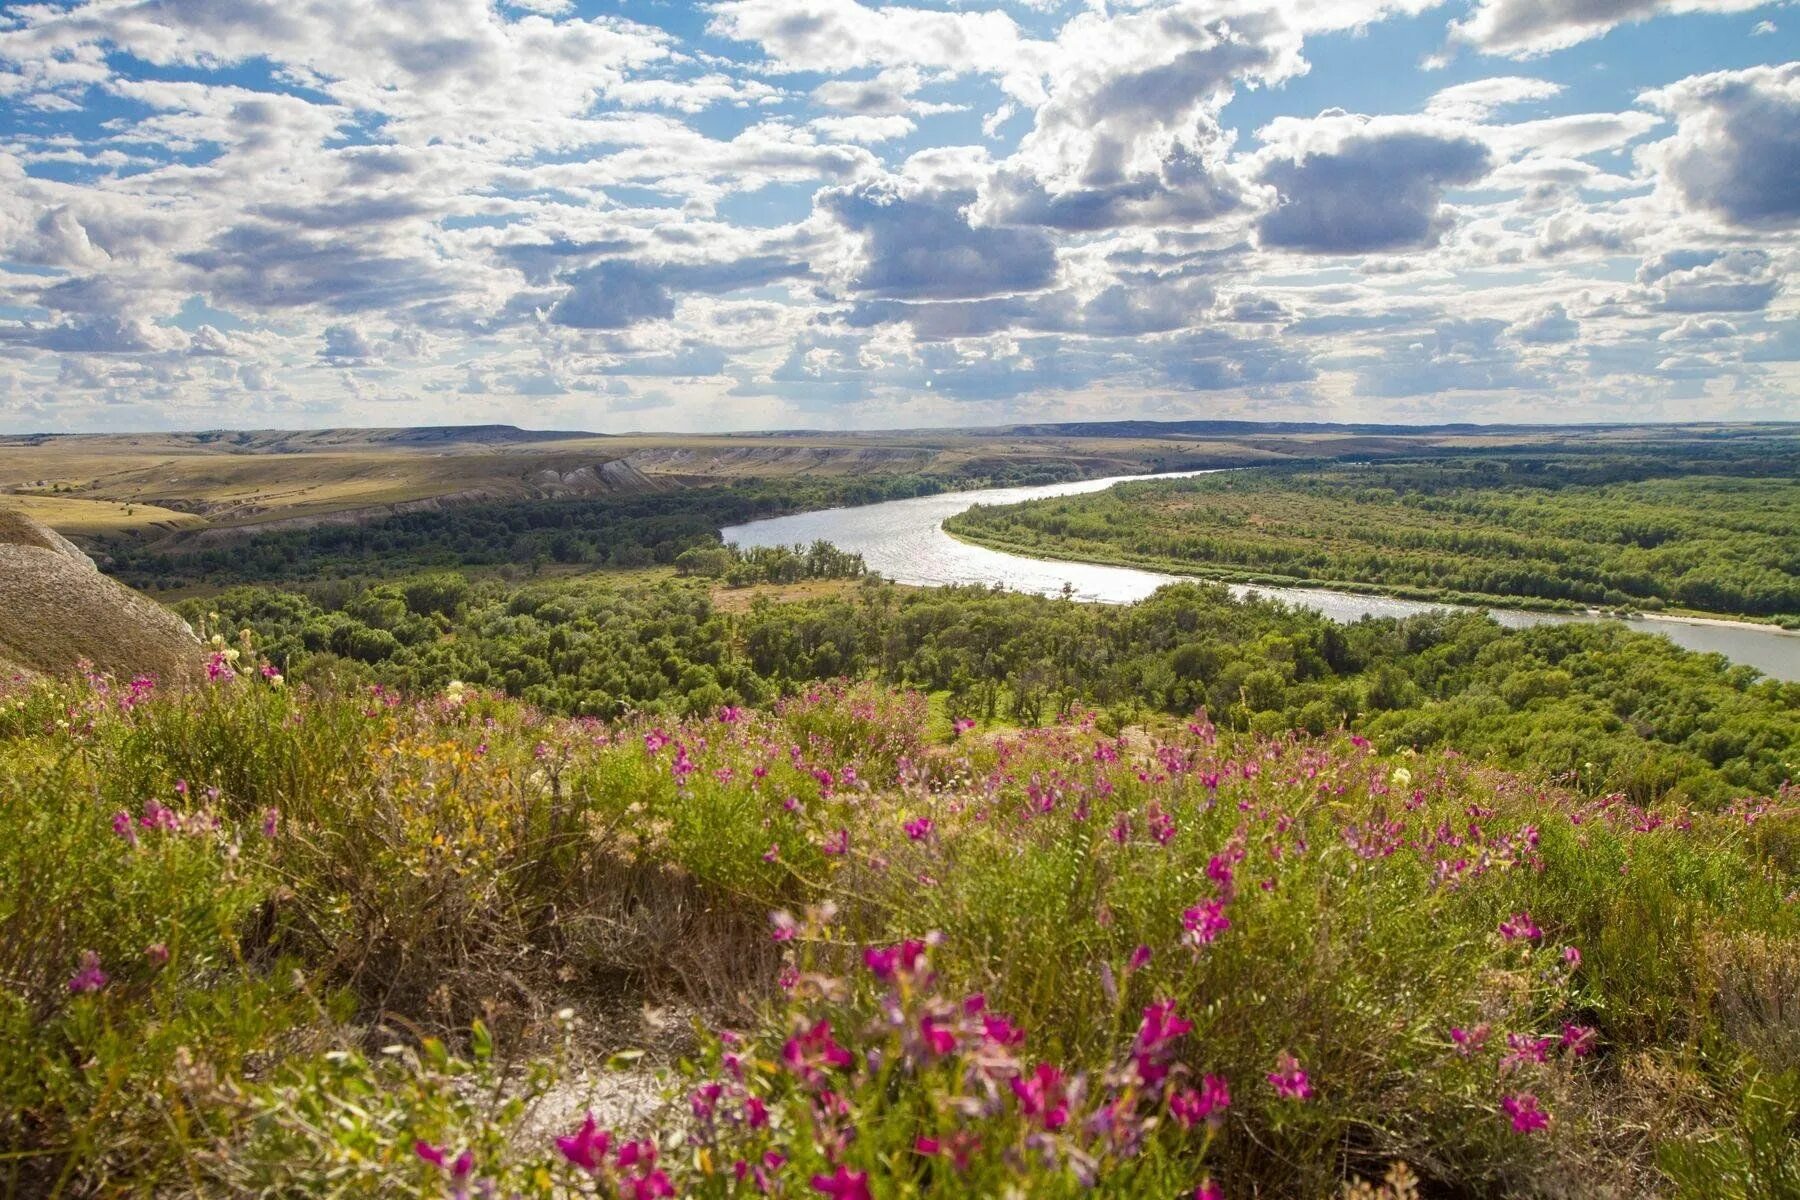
(57, 611)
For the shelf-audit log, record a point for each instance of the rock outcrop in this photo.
(57, 610)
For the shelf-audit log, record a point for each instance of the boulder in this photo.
(57, 611)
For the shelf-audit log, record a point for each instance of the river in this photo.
(905, 541)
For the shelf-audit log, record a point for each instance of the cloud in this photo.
(1736, 149)
(1130, 133)
(922, 246)
(1526, 28)
(268, 266)
(346, 345)
(615, 294)
(1700, 281)
(1354, 185)
(1459, 355)
(1548, 325)
(1478, 99)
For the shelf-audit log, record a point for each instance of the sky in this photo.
(831, 214)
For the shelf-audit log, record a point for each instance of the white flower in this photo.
(1401, 777)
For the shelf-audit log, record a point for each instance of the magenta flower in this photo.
(919, 829)
(1204, 922)
(1191, 1106)
(439, 1156)
(1523, 1048)
(1289, 1080)
(962, 725)
(999, 1030)
(843, 1184)
(1572, 957)
(587, 1146)
(271, 822)
(1522, 1109)
(1208, 1190)
(1139, 959)
(888, 961)
(1469, 1042)
(1579, 1039)
(1520, 927)
(938, 1039)
(814, 1052)
(1040, 1094)
(90, 978)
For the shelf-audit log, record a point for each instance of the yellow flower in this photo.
(1401, 777)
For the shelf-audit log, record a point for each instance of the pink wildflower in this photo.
(1579, 1039)
(1572, 957)
(1524, 1112)
(587, 1146)
(90, 978)
(439, 1156)
(1204, 922)
(1469, 1042)
(918, 829)
(1208, 1190)
(1191, 1106)
(1289, 1080)
(1139, 959)
(1519, 927)
(843, 1184)
(888, 961)
(1040, 1094)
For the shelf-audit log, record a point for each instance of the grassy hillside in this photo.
(364, 945)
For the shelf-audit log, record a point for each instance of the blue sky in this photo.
(824, 213)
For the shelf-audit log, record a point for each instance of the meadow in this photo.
(263, 938)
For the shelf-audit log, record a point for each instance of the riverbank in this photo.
(1528, 604)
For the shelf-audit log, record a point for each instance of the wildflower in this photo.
(837, 843)
(1040, 1095)
(1289, 1080)
(1204, 922)
(157, 954)
(1191, 1106)
(809, 1054)
(1519, 927)
(1579, 1039)
(1218, 869)
(938, 1039)
(1572, 957)
(587, 1146)
(886, 962)
(962, 725)
(271, 822)
(1156, 1033)
(785, 925)
(1208, 1190)
(1401, 777)
(121, 825)
(1522, 1048)
(439, 1156)
(918, 829)
(90, 978)
(1523, 1111)
(999, 1030)
(843, 1184)
(1139, 958)
(1469, 1042)
(730, 715)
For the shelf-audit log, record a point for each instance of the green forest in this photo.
(1620, 709)
(1708, 528)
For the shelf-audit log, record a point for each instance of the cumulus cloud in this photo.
(1524, 28)
(615, 294)
(1550, 324)
(1355, 185)
(1736, 150)
(1700, 281)
(923, 246)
